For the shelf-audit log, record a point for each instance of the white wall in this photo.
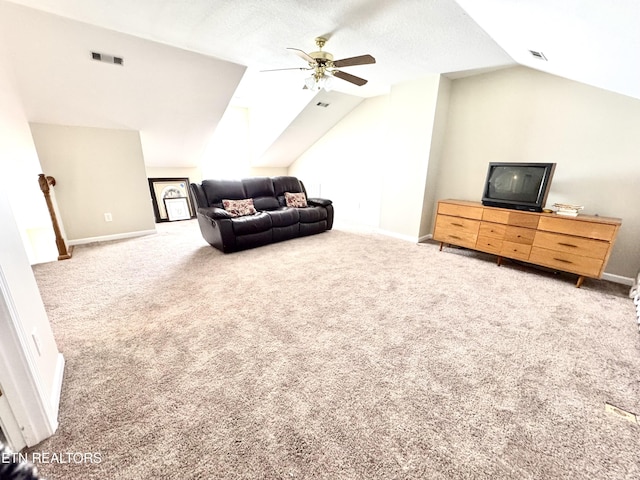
(192, 173)
(374, 163)
(347, 163)
(21, 161)
(523, 115)
(429, 206)
(98, 171)
(411, 122)
(34, 392)
(232, 147)
(227, 154)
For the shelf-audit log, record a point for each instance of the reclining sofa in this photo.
(235, 215)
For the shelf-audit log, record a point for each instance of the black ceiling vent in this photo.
(538, 55)
(103, 57)
(322, 104)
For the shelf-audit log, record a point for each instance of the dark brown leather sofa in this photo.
(273, 221)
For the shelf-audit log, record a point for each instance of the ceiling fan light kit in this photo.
(325, 68)
(316, 83)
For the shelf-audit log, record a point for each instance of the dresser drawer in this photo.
(509, 217)
(456, 230)
(466, 211)
(567, 262)
(572, 226)
(519, 235)
(488, 244)
(457, 223)
(515, 250)
(495, 215)
(494, 230)
(584, 247)
(523, 219)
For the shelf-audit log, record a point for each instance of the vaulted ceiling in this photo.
(184, 58)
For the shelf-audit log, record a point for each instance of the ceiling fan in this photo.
(324, 67)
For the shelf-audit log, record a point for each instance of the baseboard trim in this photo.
(108, 238)
(617, 279)
(424, 238)
(400, 236)
(57, 388)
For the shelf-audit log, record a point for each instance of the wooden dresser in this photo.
(579, 245)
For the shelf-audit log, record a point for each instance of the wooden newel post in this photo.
(45, 182)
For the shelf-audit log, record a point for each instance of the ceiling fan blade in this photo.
(349, 78)
(361, 60)
(281, 69)
(303, 55)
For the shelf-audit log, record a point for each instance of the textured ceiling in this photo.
(408, 38)
(590, 41)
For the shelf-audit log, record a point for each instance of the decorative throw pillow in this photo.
(239, 208)
(295, 199)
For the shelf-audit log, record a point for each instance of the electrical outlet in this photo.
(108, 217)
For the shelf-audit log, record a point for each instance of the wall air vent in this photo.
(538, 55)
(322, 104)
(103, 57)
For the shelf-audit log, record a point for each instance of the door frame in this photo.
(28, 409)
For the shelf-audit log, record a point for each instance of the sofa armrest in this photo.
(214, 213)
(319, 202)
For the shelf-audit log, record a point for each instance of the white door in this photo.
(9, 427)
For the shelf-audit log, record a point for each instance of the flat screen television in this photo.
(520, 186)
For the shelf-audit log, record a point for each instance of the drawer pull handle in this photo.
(562, 260)
(457, 225)
(567, 245)
(453, 236)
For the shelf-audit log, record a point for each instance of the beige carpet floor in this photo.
(343, 355)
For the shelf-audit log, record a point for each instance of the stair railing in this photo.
(46, 182)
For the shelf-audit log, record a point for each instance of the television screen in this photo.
(518, 185)
(521, 184)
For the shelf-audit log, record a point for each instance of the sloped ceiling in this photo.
(591, 41)
(596, 42)
(174, 97)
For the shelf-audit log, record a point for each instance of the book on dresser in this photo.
(576, 244)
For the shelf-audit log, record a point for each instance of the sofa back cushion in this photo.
(262, 191)
(216, 190)
(286, 184)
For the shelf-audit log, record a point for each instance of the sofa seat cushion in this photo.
(266, 203)
(283, 217)
(312, 214)
(259, 222)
